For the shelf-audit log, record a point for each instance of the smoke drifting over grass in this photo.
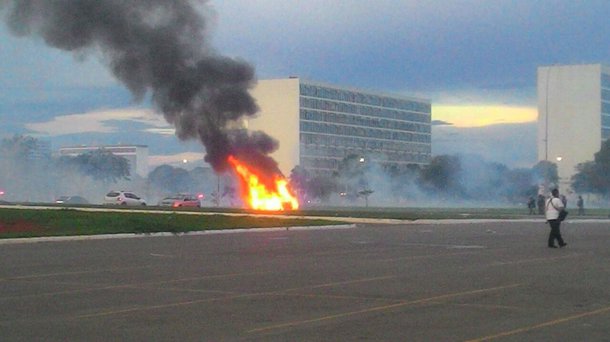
(158, 47)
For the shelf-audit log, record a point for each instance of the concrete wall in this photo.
(279, 117)
(569, 116)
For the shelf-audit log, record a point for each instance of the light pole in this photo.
(546, 115)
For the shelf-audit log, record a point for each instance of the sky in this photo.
(475, 60)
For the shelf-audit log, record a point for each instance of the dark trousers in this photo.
(555, 233)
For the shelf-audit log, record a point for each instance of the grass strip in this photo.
(15, 223)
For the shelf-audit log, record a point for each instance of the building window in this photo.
(606, 107)
(606, 120)
(606, 81)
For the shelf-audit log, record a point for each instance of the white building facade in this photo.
(318, 125)
(136, 155)
(573, 115)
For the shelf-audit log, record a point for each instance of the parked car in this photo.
(181, 200)
(71, 200)
(123, 198)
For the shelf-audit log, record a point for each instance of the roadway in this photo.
(403, 282)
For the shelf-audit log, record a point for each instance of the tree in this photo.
(366, 193)
(592, 176)
(442, 175)
(586, 179)
(167, 178)
(545, 172)
(102, 165)
(17, 148)
(519, 185)
(299, 181)
(352, 174)
(321, 187)
(25, 170)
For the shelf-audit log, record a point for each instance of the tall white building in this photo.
(136, 155)
(573, 115)
(318, 125)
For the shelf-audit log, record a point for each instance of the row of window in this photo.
(347, 119)
(319, 163)
(606, 120)
(350, 108)
(606, 95)
(358, 122)
(314, 127)
(605, 133)
(605, 81)
(362, 143)
(357, 97)
(606, 107)
(366, 146)
(333, 163)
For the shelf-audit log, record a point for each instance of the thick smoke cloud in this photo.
(158, 47)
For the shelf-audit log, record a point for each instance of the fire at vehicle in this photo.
(273, 194)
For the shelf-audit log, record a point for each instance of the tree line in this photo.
(444, 178)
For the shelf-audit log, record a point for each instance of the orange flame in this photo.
(258, 195)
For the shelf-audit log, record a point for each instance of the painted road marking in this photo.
(381, 308)
(48, 275)
(533, 260)
(542, 325)
(244, 295)
(134, 285)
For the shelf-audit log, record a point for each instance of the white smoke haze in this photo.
(160, 49)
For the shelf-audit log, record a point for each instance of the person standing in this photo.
(580, 203)
(540, 204)
(531, 205)
(553, 206)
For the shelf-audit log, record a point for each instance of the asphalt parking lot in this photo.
(412, 282)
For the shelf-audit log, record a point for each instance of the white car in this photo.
(123, 198)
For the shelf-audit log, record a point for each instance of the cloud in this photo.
(439, 123)
(483, 115)
(100, 122)
(511, 144)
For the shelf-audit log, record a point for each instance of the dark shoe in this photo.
(552, 246)
(563, 244)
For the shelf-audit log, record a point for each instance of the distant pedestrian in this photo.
(531, 205)
(580, 203)
(540, 205)
(554, 205)
(564, 200)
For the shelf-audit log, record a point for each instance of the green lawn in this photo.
(61, 222)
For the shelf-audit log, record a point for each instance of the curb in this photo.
(167, 234)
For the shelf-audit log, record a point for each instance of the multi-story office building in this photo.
(318, 125)
(573, 115)
(136, 155)
(40, 151)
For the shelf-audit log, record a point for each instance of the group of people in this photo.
(540, 203)
(552, 209)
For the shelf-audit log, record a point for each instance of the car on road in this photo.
(181, 200)
(71, 200)
(123, 198)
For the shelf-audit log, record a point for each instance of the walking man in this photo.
(553, 206)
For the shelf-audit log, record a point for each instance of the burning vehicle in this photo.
(261, 194)
(159, 50)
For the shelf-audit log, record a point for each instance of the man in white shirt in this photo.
(554, 206)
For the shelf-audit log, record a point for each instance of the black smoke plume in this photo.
(158, 47)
